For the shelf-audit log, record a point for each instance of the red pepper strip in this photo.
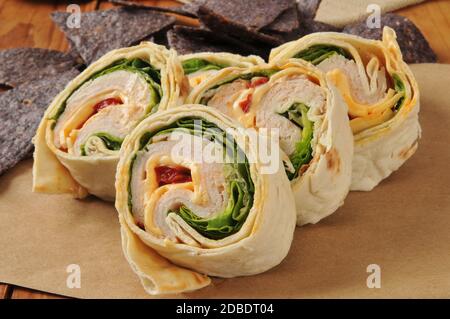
(245, 104)
(101, 105)
(107, 102)
(172, 175)
(258, 81)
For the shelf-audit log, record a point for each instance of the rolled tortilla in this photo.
(78, 140)
(380, 90)
(200, 66)
(312, 122)
(185, 216)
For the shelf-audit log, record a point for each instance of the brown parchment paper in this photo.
(403, 226)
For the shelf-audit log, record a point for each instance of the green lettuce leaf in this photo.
(248, 76)
(144, 69)
(194, 65)
(320, 52)
(229, 221)
(130, 196)
(302, 155)
(237, 174)
(399, 87)
(111, 142)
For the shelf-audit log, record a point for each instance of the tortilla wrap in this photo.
(380, 90)
(312, 122)
(200, 66)
(184, 217)
(78, 140)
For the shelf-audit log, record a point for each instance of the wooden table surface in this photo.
(26, 23)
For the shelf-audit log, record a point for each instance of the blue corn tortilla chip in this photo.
(187, 40)
(414, 46)
(186, 44)
(21, 110)
(308, 8)
(252, 15)
(222, 25)
(307, 11)
(286, 22)
(247, 19)
(311, 26)
(193, 7)
(21, 65)
(103, 31)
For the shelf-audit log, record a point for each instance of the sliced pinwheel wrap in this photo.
(184, 216)
(199, 66)
(78, 141)
(381, 93)
(311, 119)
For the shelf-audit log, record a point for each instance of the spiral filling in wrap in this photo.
(213, 198)
(288, 99)
(366, 109)
(193, 200)
(98, 114)
(372, 83)
(82, 131)
(200, 66)
(379, 89)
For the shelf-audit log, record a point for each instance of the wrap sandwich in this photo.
(184, 217)
(199, 66)
(78, 140)
(381, 93)
(312, 122)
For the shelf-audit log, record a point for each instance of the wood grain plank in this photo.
(104, 4)
(433, 19)
(160, 3)
(25, 293)
(5, 291)
(28, 24)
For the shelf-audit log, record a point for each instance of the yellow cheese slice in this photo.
(356, 109)
(153, 191)
(361, 123)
